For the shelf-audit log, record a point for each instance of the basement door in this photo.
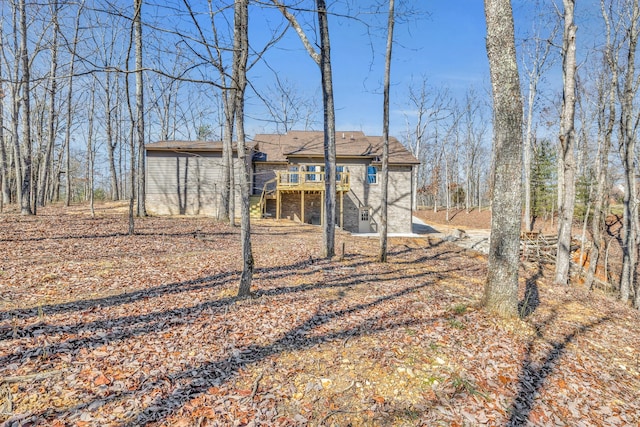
(364, 223)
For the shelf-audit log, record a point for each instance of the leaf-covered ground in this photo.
(98, 328)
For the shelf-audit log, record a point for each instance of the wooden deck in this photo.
(309, 181)
(303, 183)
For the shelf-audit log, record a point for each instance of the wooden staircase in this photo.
(255, 207)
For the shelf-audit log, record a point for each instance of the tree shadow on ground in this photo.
(140, 324)
(533, 373)
(196, 234)
(454, 213)
(207, 282)
(200, 378)
(531, 299)
(418, 228)
(300, 268)
(194, 380)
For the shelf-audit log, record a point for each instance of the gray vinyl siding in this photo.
(363, 194)
(185, 183)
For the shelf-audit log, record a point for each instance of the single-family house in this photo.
(288, 180)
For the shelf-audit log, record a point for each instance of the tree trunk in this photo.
(328, 231)
(111, 141)
(539, 64)
(323, 59)
(527, 157)
(132, 121)
(90, 149)
(25, 204)
(566, 161)
(384, 182)
(137, 24)
(606, 123)
(46, 167)
(447, 184)
(17, 152)
(67, 136)
(601, 193)
(501, 288)
(15, 109)
(227, 211)
(5, 196)
(240, 55)
(627, 153)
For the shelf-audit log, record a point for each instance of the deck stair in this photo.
(258, 203)
(255, 208)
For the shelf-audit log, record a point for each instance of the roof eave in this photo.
(184, 149)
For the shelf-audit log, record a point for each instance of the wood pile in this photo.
(535, 246)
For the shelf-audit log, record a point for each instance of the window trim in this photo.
(372, 178)
(314, 172)
(294, 174)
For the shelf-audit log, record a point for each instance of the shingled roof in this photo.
(310, 144)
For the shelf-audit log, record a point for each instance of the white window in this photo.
(293, 175)
(318, 176)
(372, 174)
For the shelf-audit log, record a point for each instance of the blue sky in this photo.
(445, 43)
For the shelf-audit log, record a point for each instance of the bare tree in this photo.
(536, 61)
(5, 197)
(323, 59)
(25, 83)
(135, 35)
(67, 136)
(112, 141)
(137, 25)
(15, 103)
(474, 131)
(501, 288)
(430, 106)
(606, 99)
(51, 131)
(287, 107)
(240, 55)
(90, 147)
(164, 102)
(449, 151)
(213, 55)
(607, 85)
(627, 149)
(566, 147)
(384, 181)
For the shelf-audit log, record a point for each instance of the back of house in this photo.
(287, 175)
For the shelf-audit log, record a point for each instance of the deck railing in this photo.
(309, 180)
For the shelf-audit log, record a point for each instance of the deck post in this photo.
(322, 208)
(302, 206)
(342, 210)
(278, 204)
